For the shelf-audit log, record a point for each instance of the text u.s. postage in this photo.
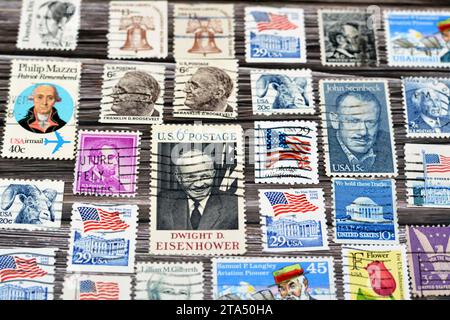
(169, 281)
(293, 220)
(429, 259)
(49, 25)
(27, 273)
(102, 238)
(203, 31)
(197, 190)
(132, 93)
(286, 152)
(274, 35)
(375, 273)
(107, 163)
(137, 29)
(41, 117)
(358, 137)
(271, 278)
(96, 287)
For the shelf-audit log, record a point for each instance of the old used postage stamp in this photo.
(429, 259)
(50, 25)
(358, 135)
(282, 91)
(286, 152)
(41, 117)
(271, 278)
(375, 273)
(197, 190)
(27, 273)
(204, 31)
(169, 281)
(102, 238)
(137, 29)
(96, 287)
(275, 35)
(293, 220)
(206, 89)
(365, 211)
(132, 93)
(107, 163)
(418, 38)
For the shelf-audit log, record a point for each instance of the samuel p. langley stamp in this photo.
(137, 29)
(358, 135)
(50, 25)
(274, 35)
(41, 118)
(197, 190)
(96, 287)
(132, 93)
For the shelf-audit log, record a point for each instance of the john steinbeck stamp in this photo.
(96, 287)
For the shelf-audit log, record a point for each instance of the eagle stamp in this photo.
(96, 287)
(137, 29)
(197, 190)
(41, 117)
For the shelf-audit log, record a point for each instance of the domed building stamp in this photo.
(96, 287)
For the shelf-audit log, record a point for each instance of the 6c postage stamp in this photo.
(96, 287)
(203, 31)
(169, 281)
(132, 93)
(197, 190)
(429, 259)
(286, 152)
(102, 238)
(358, 135)
(41, 118)
(274, 35)
(271, 278)
(365, 211)
(49, 25)
(137, 29)
(293, 220)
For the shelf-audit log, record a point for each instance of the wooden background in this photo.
(91, 51)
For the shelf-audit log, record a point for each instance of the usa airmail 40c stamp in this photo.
(96, 287)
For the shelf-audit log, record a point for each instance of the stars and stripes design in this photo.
(437, 163)
(285, 203)
(99, 219)
(271, 21)
(92, 290)
(13, 267)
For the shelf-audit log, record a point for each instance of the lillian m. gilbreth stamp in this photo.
(137, 29)
(50, 25)
(358, 137)
(204, 31)
(41, 118)
(96, 287)
(132, 93)
(197, 190)
(274, 35)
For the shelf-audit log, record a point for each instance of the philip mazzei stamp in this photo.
(102, 238)
(293, 220)
(274, 35)
(137, 29)
(96, 287)
(270, 278)
(49, 25)
(41, 118)
(169, 281)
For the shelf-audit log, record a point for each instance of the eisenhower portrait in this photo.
(52, 17)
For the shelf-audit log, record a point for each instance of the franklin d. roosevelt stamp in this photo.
(197, 190)
(96, 287)
(41, 117)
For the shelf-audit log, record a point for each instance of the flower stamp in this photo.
(49, 25)
(197, 190)
(41, 118)
(429, 259)
(286, 152)
(203, 31)
(293, 220)
(358, 137)
(274, 35)
(137, 29)
(365, 211)
(102, 238)
(169, 281)
(270, 278)
(96, 287)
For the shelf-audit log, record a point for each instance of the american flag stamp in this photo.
(96, 287)
(102, 238)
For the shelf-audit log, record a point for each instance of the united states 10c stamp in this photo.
(96, 287)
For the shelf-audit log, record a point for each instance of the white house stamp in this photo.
(96, 287)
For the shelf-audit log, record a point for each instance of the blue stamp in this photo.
(365, 211)
(358, 128)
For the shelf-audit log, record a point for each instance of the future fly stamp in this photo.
(41, 117)
(96, 287)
